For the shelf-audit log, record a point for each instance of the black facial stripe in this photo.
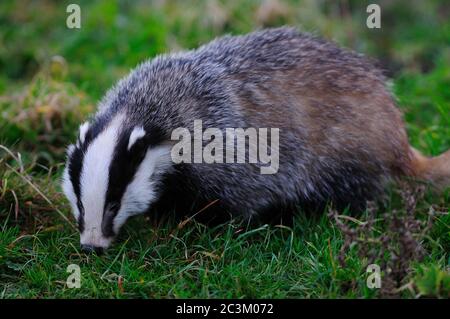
(123, 167)
(75, 165)
(121, 172)
(81, 216)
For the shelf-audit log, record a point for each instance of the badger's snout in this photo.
(89, 249)
(92, 240)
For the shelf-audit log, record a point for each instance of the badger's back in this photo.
(341, 136)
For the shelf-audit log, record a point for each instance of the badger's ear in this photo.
(70, 150)
(137, 133)
(83, 131)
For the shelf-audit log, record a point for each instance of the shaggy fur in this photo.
(341, 136)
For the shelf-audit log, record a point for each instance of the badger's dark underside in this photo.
(182, 197)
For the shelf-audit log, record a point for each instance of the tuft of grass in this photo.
(394, 240)
(42, 116)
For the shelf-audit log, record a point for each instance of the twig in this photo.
(18, 158)
(16, 208)
(187, 220)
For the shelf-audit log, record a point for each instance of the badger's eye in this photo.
(113, 206)
(107, 221)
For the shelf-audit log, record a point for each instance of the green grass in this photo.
(50, 80)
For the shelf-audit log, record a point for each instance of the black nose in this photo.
(89, 249)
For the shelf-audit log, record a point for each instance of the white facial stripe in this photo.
(140, 192)
(137, 133)
(69, 192)
(94, 181)
(94, 237)
(83, 130)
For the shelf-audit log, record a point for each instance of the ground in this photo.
(51, 78)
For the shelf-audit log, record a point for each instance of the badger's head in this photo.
(112, 172)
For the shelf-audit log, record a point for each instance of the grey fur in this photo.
(340, 136)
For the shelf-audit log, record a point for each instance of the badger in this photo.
(341, 136)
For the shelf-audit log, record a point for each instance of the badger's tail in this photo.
(435, 170)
